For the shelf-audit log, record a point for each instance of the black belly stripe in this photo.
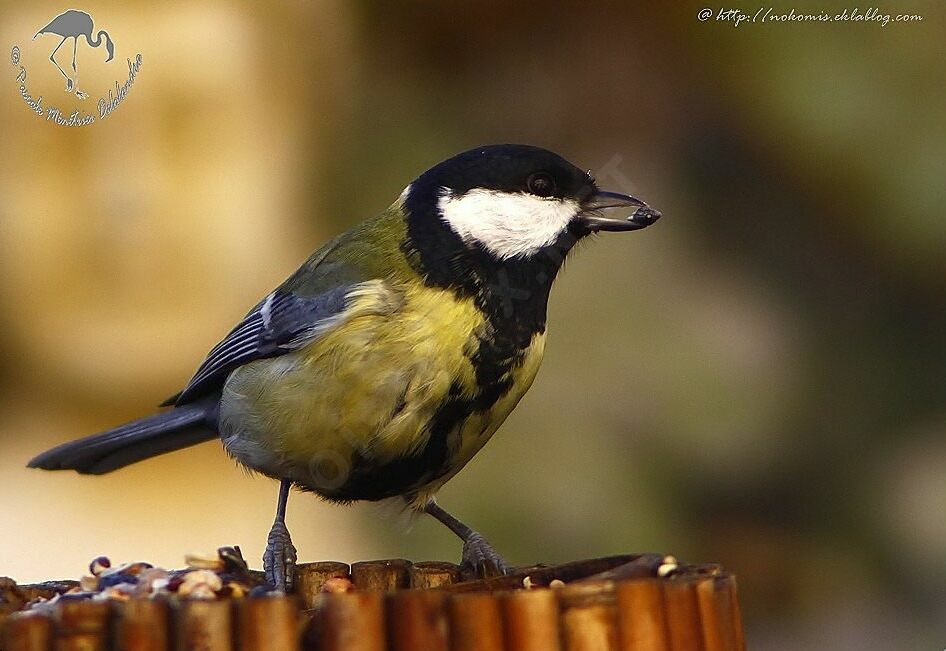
(368, 480)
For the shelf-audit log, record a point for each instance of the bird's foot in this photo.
(279, 559)
(80, 94)
(481, 560)
(70, 85)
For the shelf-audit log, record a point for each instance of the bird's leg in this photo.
(279, 560)
(478, 555)
(75, 72)
(52, 57)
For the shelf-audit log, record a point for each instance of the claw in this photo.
(480, 559)
(279, 560)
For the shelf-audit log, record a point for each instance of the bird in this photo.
(73, 24)
(381, 366)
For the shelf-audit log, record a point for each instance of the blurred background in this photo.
(757, 380)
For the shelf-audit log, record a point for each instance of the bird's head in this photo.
(516, 202)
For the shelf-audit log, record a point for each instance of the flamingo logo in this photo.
(73, 24)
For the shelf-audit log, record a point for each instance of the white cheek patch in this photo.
(507, 224)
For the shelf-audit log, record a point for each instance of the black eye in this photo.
(541, 184)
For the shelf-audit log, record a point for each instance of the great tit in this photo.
(381, 366)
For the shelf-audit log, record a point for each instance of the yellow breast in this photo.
(368, 386)
(364, 394)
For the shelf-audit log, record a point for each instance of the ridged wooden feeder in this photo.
(643, 602)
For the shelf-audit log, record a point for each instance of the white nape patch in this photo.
(507, 224)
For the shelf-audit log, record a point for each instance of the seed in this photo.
(204, 562)
(99, 565)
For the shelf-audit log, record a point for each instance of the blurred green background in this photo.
(757, 380)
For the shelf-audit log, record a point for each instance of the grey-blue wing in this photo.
(281, 322)
(308, 303)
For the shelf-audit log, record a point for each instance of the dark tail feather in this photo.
(171, 430)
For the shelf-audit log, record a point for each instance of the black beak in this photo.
(590, 217)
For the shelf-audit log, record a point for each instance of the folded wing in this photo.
(280, 323)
